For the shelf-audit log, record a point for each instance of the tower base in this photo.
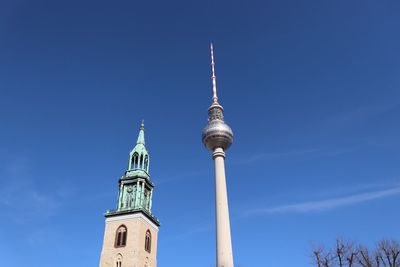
(134, 253)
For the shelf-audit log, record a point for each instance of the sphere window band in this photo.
(120, 237)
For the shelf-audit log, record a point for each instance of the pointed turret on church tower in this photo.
(130, 236)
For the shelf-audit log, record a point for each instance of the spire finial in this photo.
(140, 139)
(214, 81)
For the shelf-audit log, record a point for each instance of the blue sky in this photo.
(310, 88)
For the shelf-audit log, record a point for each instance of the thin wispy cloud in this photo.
(340, 121)
(327, 204)
(277, 155)
(361, 113)
(195, 230)
(21, 198)
(311, 152)
(181, 176)
(349, 190)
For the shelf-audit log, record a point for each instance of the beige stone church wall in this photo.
(134, 253)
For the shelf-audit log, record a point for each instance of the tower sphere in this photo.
(217, 134)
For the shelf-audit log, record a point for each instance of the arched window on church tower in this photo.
(134, 162)
(118, 262)
(141, 161)
(120, 237)
(147, 242)
(146, 163)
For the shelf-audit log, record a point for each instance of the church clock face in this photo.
(129, 189)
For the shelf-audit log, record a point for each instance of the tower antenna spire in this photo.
(214, 81)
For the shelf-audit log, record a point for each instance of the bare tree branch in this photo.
(346, 254)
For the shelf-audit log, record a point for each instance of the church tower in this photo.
(131, 230)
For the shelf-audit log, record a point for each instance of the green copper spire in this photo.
(135, 187)
(140, 139)
(139, 157)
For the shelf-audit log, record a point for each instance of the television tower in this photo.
(217, 137)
